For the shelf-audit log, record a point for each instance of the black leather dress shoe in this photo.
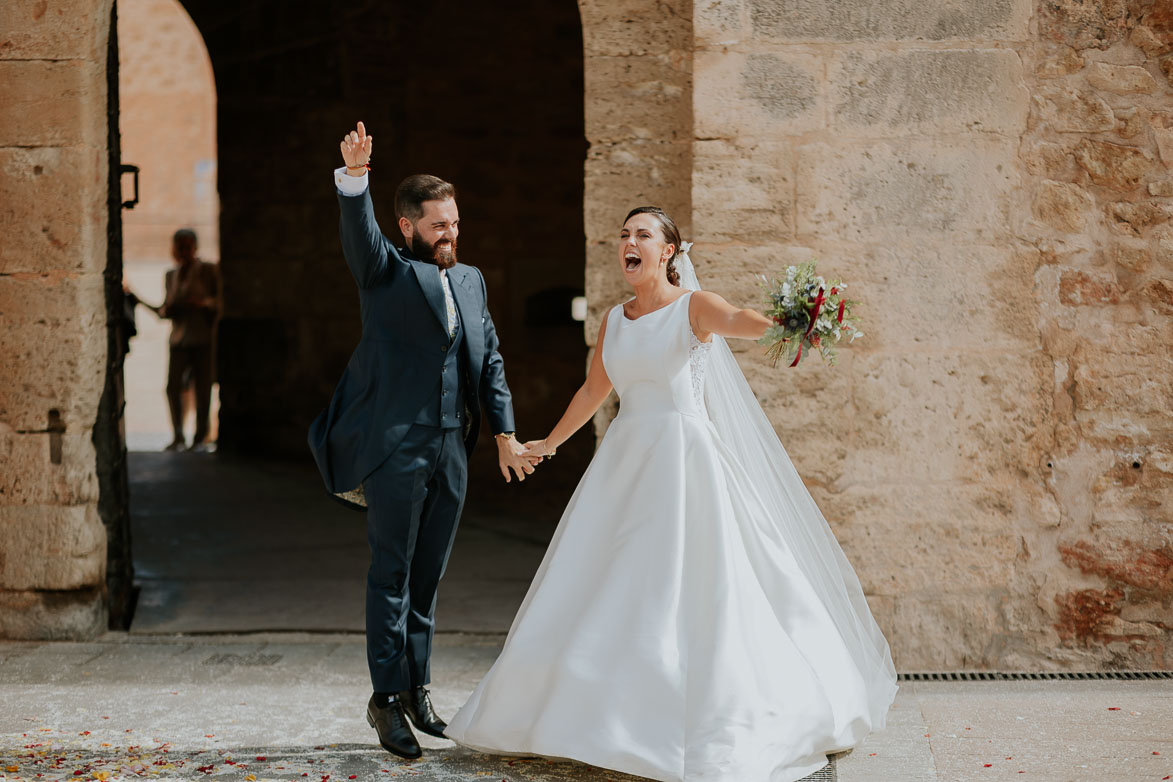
(394, 733)
(418, 705)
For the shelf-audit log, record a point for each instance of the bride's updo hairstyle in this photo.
(670, 232)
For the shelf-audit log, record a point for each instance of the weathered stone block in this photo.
(1164, 139)
(1121, 385)
(895, 93)
(1134, 258)
(1146, 40)
(53, 344)
(637, 98)
(52, 616)
(719, 22)
(1163, 249)
(1158, 293)
(916, 189)
(624, 175)
(54, 30)
(914, 297)
(966, 416)
(1121, 79)
(1068, 111)
(48, 469)
(1063, 62)
(1113, 165)
(51, 547)
(52, 209)
(52, 104)
(634, 29)
(1062, 206)
(1082, 24)
(1077, 287)
(894, 535)
(943, 631)
(889, 20)
(1166, 65)
(742, 191)
(1136, 219)
(1161, 189)
(1131, 122)
(1050, 160)
(756, 95)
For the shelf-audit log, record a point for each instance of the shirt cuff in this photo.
(350, 185)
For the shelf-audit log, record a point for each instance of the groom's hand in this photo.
(356, 150)
(511, 455)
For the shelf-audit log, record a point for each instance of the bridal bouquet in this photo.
(806, 310)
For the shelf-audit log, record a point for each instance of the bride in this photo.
(694, 617)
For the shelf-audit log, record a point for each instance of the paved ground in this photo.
(227, 546)
(290, 707)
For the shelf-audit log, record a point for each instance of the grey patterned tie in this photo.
(449, 304)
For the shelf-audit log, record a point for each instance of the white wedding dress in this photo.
(670, 631)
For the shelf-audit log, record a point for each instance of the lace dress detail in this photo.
(698, 352)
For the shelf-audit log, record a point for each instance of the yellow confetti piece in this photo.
(12, 769)
(250, 778)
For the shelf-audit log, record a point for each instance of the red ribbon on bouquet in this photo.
(815, 310)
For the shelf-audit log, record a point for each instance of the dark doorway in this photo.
(488, 96)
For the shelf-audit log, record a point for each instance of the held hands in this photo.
(512, 455)
(356, 150)
(538, 450)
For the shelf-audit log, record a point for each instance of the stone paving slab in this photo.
(286, 706)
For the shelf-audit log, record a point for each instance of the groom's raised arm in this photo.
(370, 256)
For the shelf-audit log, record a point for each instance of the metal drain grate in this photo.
(1018, 676)
(824, 774)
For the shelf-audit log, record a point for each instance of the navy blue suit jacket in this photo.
(397, 364)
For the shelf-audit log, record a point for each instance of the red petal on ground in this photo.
(1113, 708)
(988, 765)
(261, 758)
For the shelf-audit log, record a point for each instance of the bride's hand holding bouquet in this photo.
(807, 310)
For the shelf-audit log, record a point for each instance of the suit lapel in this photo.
(469, 305)
(428, 275)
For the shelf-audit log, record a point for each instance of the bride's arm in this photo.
(586, 402)
(711, 314)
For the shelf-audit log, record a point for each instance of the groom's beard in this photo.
(442, 253)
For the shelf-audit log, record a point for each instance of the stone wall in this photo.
(882, 139)
(1098, 160)
(994, 454)
(53, 324)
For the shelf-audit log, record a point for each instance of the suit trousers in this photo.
(414, 499)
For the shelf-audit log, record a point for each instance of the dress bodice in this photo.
(655, 362)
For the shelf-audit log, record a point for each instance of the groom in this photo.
(402, 422)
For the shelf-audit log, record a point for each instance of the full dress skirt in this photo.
(669, 632)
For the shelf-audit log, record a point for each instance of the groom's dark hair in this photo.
(417, 188)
